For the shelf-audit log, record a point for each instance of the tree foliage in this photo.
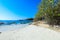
(50, 10)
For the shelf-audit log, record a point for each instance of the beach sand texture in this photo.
(31, 32)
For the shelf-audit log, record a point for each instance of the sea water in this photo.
(14, 24)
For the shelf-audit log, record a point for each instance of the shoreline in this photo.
(11, 27)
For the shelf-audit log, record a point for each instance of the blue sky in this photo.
(18, 9)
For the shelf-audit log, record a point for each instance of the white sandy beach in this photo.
(31, 32)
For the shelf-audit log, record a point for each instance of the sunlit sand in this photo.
(30, 32)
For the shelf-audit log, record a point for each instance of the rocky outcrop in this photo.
(1, 23)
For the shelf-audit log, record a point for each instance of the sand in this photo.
(31, 32)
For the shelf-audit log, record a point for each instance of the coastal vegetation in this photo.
(49, 11)
(29, 18)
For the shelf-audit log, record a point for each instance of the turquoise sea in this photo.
(8, 25)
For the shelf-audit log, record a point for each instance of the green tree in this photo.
(49, 9)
